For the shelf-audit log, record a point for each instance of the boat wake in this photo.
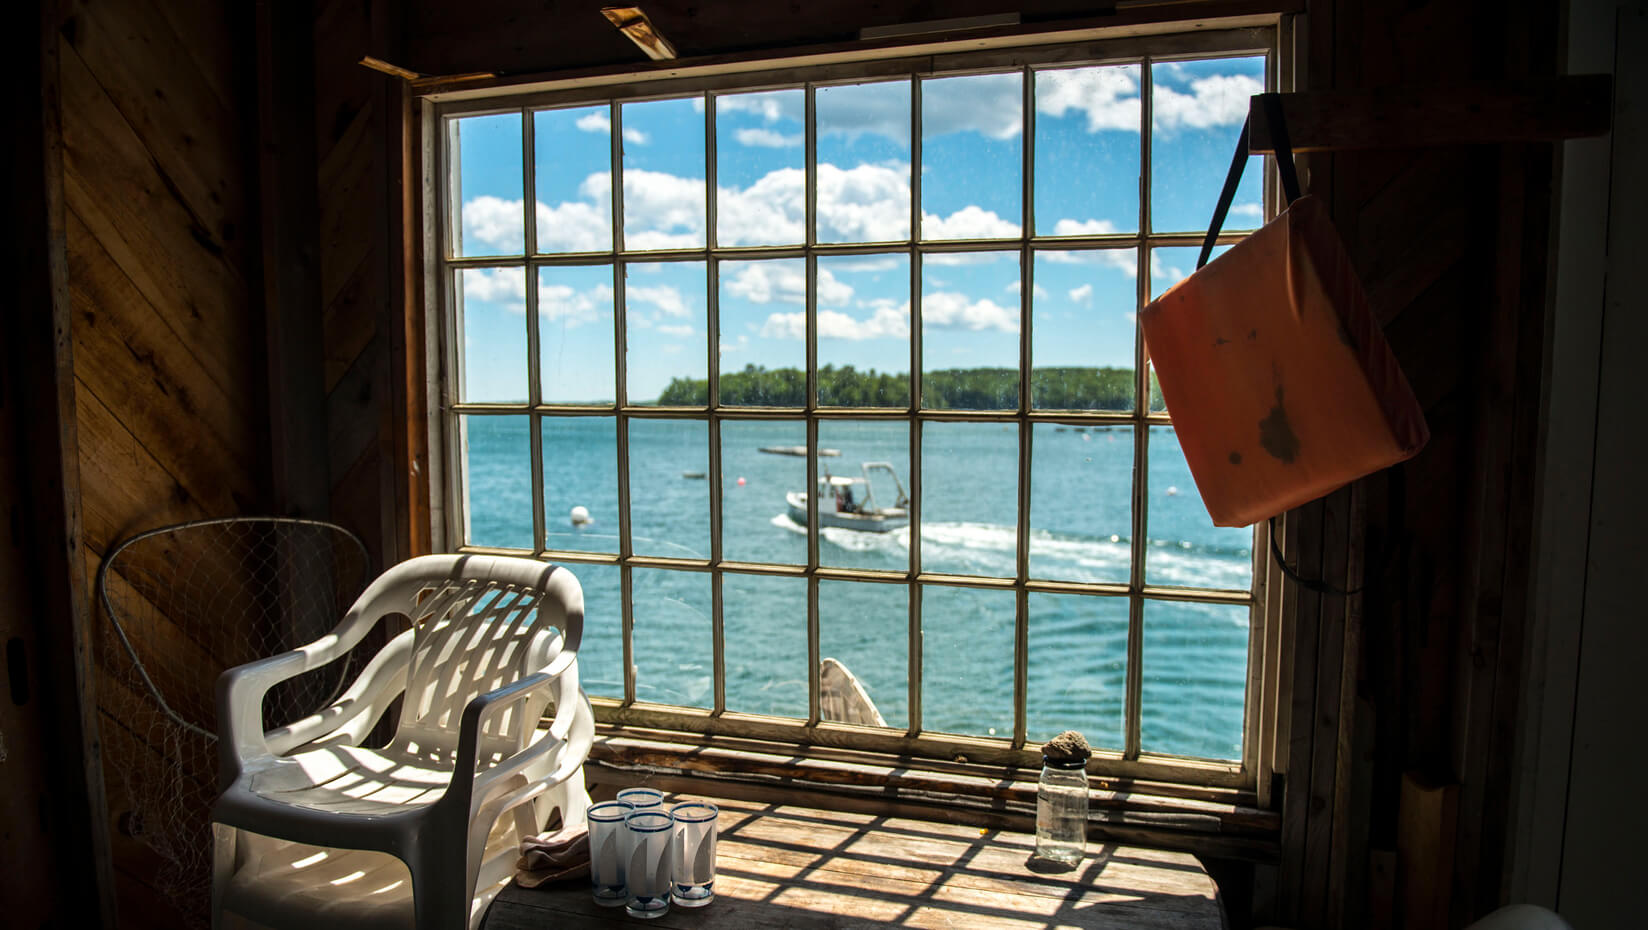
(990, 549)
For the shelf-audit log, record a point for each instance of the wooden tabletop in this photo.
(798, 867)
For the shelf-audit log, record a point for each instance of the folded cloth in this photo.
(553, 857)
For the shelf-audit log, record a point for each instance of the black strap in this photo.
(1284, 167)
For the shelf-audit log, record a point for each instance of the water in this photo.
(1194, 655)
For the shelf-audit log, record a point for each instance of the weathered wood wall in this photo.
(1406, 702)
(158, 115)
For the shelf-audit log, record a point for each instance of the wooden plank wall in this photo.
(357, 150)
(158, 114)
(1417, 683)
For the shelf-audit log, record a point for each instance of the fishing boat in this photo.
(848, 502)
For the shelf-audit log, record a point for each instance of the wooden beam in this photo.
(58, 866)
(1529, 110)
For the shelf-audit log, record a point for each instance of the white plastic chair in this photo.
(315, 830)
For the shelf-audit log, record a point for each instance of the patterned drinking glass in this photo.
(608, 848)
(694, 870)
(648, 869)
(642, 798)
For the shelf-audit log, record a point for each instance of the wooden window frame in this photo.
(1265, 691)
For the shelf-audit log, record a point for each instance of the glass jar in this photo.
(1061, 811)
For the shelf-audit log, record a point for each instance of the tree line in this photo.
(1073, 388)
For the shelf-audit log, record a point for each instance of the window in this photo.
(767, 426)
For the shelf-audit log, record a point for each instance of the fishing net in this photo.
(183, 604)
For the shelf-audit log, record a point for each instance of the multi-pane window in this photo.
(767, 426)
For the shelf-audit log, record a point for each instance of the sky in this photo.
(1087, 161)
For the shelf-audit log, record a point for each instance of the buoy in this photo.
(580, 515)
(740, 480)
(1172, 492)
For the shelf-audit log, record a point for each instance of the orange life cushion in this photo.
(1278, 379)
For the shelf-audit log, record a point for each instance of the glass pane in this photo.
(674, 661)
(601, 654)
(1084, 330)
(575, 335)
(864, 162)
(573, 149)
(972, 157)
(865, 627)
(757, 524)
(1197, 110)
(666, 323)
(669, 499)
(863, 330)
(761, 303)
(497, 485)
(1185, 547)
(760, 184)
(764, 625)
(664, 174)
(485, 157)
(1081, 503)
(492, 317)
(1195, 679)
(967, 661)
(1078, 668)
(969, 501)
(581, 483)
(1087, 127)
(862, 506)
(969, 331)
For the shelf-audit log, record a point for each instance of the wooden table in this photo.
(797, 867)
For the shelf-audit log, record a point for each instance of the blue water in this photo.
(1194, 655)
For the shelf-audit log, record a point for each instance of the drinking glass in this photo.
(694, 869)
(648, 872)
(608, 850)
(642, 798)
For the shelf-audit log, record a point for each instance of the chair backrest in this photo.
(479, 623)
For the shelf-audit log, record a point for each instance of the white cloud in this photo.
(679, 331)
(1216, 100)
(881, 109)
(1082, 293)
(869, 203)
(949, 310)
(771, 106)
(1125, 260)
(664, 297)
(598, 121)
(1068, 227)
(572, 306)
(772, 210)
(493, 222)
(662, 211)
(767, 138)
(970, 222)
(1109, 96)
(1251, 211)
(887, 320)
(991, 105)
(1016, 287)
(1161, 271)
(765, 282)
(502, 285)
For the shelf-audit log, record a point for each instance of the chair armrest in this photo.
(482, 707)
(240, 693)
(364, 699)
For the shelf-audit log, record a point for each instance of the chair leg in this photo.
(223, 867)
(440, 900)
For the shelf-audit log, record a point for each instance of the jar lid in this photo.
(1068, 750)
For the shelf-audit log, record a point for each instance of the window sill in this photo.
(1219, 822)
